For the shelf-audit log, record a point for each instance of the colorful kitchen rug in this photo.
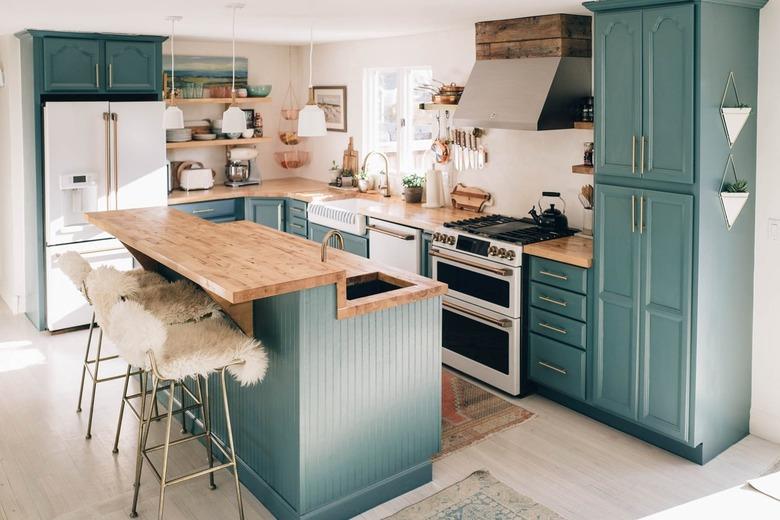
(478, 497)
(470, 414)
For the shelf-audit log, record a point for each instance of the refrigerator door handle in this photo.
(115, 120)
(107, 146)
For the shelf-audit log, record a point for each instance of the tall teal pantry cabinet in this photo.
(671, 346)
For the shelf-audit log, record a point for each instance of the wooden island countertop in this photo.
(570, 250)
(242, 261)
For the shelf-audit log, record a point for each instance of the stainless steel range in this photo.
(480, 259)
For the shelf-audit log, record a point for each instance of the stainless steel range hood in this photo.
(524, 93)
(531, 73)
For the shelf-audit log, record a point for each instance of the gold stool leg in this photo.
(183, 405)
(233, 460)
(94, 385)
(164, 474)
(143, 433)
(203, 397)
(121, 410)
(86, 358)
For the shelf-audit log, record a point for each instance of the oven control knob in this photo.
(510, 255)
(451, 240)
(436, 237)
(502, 253)
(492, 251)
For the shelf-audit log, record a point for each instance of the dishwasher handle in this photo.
(401, 236)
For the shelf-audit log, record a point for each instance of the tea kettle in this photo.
(552, 217)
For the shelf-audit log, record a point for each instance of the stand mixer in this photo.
(239, 167)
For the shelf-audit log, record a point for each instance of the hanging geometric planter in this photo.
(733, 195)
(734, 118)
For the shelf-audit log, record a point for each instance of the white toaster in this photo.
(196, 179)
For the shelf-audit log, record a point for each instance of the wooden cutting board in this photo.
(469, 198)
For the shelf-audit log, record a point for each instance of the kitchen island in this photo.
(349, 414)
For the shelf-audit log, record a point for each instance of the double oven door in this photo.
(481, 327)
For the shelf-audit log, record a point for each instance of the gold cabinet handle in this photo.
(97, 75)
(110, 75)
(633, 213)
(552, 328)
(107, 146)
(641, 214)
(199, 211)
(297, 210)
(295, 225)
(553, 301)
(549, 366)
(554, 275)
(642, 155)
(115, 120)
(633, 154)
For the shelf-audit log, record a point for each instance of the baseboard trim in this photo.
(765, 424)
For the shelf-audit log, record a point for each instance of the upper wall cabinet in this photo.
(78, 63)
(644, 84)
(131, 66)
(72, 65)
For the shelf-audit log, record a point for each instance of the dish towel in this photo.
(768, 485)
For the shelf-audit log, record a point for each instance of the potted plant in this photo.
(363, 182)
(412, 184)
(733, 197)
(734, 119)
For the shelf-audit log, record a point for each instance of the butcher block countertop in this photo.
(243, 261)
(570, 250)
(392, 209)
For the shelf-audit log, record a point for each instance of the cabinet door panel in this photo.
(71, 65)
(616, 257)
(268, 212)
(618, 102)
(665, 349)
(667, 107)
(131, 66)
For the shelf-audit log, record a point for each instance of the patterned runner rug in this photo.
(470, 414)
(478, 497)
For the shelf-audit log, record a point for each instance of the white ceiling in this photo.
(276, 21)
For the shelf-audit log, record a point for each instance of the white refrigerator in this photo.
(98, 156)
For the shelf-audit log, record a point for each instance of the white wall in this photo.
(268, 64)
(521, 164)
(11, 178)
(765, 412)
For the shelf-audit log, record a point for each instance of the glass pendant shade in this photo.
(173, 118)
(311, 122)
(233, 121)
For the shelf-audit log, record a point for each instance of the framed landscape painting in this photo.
(333, 101)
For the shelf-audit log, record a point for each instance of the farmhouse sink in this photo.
(343, 214)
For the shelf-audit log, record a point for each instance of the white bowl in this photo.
(249, 132)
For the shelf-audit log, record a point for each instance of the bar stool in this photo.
(77, 269)
(172, 303)
(174, 352)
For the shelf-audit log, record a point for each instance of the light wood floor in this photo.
(576, 466)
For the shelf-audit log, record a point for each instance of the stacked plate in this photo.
(204, 137)
(178, 135)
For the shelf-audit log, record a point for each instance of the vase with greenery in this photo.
(733, 197)
(413, 187)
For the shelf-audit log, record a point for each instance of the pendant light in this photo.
(233, 120)
(311, 120)
(173, 117)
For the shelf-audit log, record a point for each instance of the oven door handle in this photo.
(504, 324)
(495, 270)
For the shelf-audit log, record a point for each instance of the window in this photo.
(393, 123)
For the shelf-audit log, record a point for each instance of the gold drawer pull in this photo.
(560, 370)
(199, 211)
(553, 301)
(552, 328)
(299, 210)
(553, 275)
(293, 224)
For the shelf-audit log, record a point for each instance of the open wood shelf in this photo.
(217, 142)
(582, 168)
(583, 125)
(218, 101)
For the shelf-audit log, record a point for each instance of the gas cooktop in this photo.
(507, 229)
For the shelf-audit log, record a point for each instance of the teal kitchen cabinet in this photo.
(618, 100)
(352, 243)
(642, 347)
(644, 90)
(426, 267)
(132, 66)
(217, 211)
(616, 252)
(268, 212)
(297, 218)
(72, 65)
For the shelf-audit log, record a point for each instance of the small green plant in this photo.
(334, 167)
(738, 186)
(413, 181)
(361, 174)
